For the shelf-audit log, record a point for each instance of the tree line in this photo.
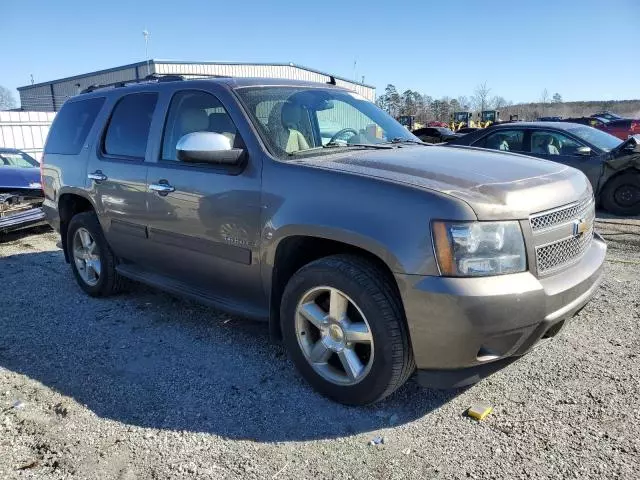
(425, 108)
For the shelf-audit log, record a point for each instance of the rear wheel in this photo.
(343, 326)
(621, 194)
(92, 261)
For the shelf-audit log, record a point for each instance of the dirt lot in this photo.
(147, 386)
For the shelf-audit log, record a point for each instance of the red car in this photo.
(623, 128)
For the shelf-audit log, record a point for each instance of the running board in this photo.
(170, 285)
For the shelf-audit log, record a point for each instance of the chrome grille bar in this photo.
(562, 235)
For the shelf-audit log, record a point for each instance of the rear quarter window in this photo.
(71, 126)
(128, 130)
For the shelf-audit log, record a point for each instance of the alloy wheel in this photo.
(334, 335)
(86, 256)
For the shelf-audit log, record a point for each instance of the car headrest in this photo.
(193, 120)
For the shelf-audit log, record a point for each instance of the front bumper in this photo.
(463, 329)
(25, 219)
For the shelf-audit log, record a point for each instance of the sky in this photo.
(582, 49)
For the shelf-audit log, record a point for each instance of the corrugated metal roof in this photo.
(175, 62)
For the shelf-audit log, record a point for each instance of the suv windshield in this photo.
(598, 138)
(309, 120)
(17, 159)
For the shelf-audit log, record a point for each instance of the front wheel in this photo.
(621, 194)
(344, 327)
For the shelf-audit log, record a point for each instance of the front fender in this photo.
(389, 220)
(348, 237)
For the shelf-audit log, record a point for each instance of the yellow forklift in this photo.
(461, 120)
(488, 117)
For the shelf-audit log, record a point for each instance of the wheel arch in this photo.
(70, 204)
(292, 252)
(630, 169)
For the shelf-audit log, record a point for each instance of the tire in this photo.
(388, 358)
(621, 194)
(108, 282)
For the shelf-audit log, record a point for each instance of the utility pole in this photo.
(146, 34)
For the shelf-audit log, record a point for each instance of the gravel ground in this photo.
(147, 386)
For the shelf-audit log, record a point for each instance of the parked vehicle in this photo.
(611, 165)
(460, 120)
(20, 191)
(369, 253)
(489, 117)
(407, 121)
(550, 119)
(607, 116)
(622, 129)
(436, 134)
(590, 121)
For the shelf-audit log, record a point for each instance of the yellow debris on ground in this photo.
(479, 412)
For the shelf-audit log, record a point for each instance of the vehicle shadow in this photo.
(145, 358)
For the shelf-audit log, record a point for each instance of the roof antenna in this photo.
(332, 80)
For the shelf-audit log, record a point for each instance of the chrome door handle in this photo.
(97, 176)
(161, 188)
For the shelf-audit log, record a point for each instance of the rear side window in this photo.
(507, 140)
(128, 129)
(71, 126)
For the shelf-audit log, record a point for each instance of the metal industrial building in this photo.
(49, 96)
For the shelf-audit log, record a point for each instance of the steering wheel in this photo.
(342, 132)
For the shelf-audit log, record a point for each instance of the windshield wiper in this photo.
(397, 140)
(375, 146)
(361, 145)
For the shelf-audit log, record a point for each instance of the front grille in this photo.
(559, 241)
(544, 220)
(564, 252)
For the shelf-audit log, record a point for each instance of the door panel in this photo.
(557, 147)
(204, 229)
(117, 175)
(205, 233)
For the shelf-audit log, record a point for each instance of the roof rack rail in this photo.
(154, 77)
(170, 77)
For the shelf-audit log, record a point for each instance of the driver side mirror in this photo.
(207, 147)
(584, 151)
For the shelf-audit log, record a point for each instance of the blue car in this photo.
(21, 194)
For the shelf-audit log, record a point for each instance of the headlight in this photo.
(470, 249)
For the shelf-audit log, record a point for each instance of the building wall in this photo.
(37, 98)
(50, 96)
(26, 131)
(64, 90)
(291, 72)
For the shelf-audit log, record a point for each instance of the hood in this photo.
(17, 177)
(627, 154)
(497, 185)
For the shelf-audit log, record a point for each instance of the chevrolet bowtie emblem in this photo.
(580, 226)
